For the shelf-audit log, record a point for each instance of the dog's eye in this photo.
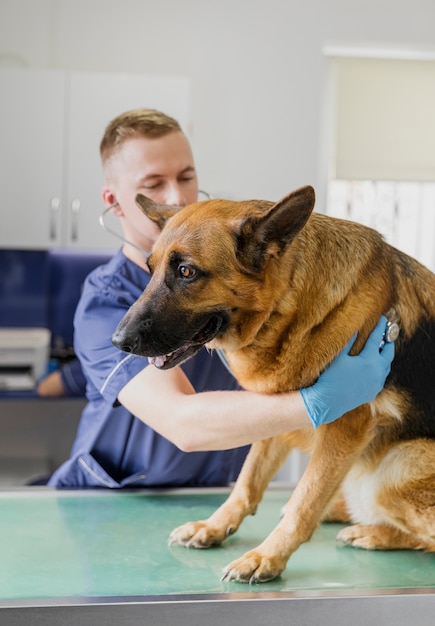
(186, 271)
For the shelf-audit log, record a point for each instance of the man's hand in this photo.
(350, 381)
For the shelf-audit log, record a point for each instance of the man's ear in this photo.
(109, 199)
(158, 213)
(270, 233)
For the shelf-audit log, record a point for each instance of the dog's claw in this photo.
(225, 578)
(252, 568)
(231, 575)
(197, 535)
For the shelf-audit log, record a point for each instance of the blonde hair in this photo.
(135, 123)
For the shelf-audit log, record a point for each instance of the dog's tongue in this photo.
(158, 361)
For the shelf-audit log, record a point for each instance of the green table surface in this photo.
(104, 544)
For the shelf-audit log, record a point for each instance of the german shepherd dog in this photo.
(281, 291)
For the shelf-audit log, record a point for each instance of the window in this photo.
(381, 155)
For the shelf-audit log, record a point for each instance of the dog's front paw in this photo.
(198, 535)
(361, 536)
(254, 567)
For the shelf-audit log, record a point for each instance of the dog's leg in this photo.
(261, 464)
(337, 446)
(400, 501)
(337, 510)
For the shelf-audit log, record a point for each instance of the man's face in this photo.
(161, 169)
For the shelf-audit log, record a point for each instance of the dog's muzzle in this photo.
(164, 350)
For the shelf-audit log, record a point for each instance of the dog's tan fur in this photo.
(294, 288)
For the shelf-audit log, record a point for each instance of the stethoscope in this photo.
(117, 235)
(107, 210)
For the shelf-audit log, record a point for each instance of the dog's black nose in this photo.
(124, 342)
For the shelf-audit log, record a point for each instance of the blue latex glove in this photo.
(350, 381)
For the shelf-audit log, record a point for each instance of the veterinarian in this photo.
(146, 427)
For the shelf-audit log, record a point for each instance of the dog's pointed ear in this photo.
(158, 213)
(270, 233)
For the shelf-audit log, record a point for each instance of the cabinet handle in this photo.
(54, 208)
(75, 210)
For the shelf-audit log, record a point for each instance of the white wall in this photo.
(256, 66)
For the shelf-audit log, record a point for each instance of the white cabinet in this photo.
(51, 124)
(32, 112)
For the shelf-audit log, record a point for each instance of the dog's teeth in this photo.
(157, 361)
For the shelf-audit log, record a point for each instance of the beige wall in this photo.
(257, 68)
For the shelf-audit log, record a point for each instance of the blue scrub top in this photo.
(112, 447)
(73, 379)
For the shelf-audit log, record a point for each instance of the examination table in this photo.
(101, 557)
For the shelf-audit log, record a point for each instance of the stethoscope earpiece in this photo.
(117, 235)
(123, 239)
